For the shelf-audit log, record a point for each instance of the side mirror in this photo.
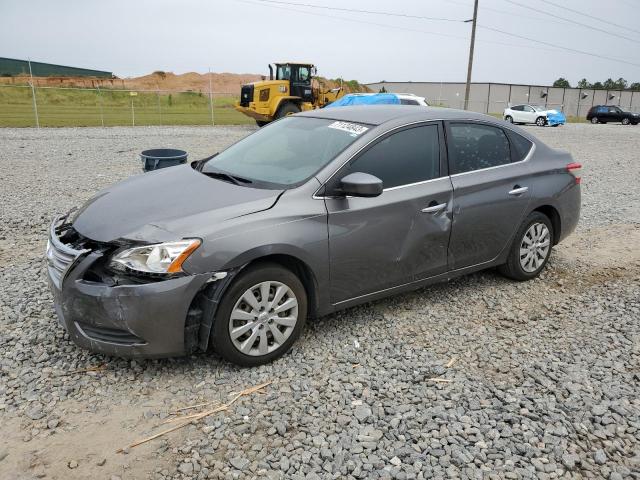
(360, 184)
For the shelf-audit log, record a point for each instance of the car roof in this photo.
(379, 114)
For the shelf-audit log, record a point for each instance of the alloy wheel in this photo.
(263, 318)
(540, 122)
(626, 121)
(594, 120)
(535, 247)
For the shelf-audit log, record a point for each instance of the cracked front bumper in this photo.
(129, 320)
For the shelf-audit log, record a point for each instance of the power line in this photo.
(590, 27)
(589, 16)
(504, 12)
(554, 47)
(397, 27)
(569, 49)
(354, 10)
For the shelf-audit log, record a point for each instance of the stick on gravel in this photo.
(198, 416)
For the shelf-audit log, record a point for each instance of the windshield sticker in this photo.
(352, 128)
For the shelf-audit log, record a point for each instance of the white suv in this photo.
(411, 99)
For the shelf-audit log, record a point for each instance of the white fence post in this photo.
(213, 123)
(33, 94)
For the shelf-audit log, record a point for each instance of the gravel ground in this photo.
(541, 379)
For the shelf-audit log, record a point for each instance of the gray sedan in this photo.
(314, 213)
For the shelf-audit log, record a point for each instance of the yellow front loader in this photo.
(294, 89)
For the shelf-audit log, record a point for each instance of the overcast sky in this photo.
(136, 37)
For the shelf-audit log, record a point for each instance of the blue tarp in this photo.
(377, 99)
(556, 118)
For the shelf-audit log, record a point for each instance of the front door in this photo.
(490, 192)
(301, 83)
(529, 114)
(401, 235)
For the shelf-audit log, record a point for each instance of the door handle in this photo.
(434, 208)
(518, 190)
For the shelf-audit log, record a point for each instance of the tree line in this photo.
(608, 84)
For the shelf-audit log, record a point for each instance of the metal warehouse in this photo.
(495, 97)
(10, 67)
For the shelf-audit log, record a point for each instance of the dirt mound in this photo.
(220, 82)
(228, 83)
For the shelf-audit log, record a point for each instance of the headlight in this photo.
(158, 258)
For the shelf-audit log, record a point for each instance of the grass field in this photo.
(58, 107)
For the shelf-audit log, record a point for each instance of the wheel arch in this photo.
(553, 215)
(300, 268)
(282, 101)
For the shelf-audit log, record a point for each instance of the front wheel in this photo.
(531, 248)
(541, 121)
(509, 118)
(626, 121)
(287, 109)
(260, 316)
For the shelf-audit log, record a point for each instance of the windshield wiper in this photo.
(228, 177)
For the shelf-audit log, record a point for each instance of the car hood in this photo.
(167, 204)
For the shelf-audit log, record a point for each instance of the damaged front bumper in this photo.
(128, 319)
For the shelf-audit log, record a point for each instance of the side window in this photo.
(527, 108)
(404, 101)
(476, 146)
(602, 109)
(518, 108)
(409, 156)
(520, 146)
(303, 74)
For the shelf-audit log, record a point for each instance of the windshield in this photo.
(283, 72)
(285, 153)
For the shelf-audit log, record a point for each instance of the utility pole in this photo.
(473, 41)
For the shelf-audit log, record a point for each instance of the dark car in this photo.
(611, 113)
(316, 212)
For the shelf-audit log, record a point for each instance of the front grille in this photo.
(62, 251)
(246, 95)
(110, 335)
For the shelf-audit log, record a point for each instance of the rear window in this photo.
(520, 146)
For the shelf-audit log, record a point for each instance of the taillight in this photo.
(574, 169)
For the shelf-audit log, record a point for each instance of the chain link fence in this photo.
(27, 106)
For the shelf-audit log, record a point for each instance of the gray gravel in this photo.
(545, 382)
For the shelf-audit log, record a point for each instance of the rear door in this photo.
(517, 113)
(401, 235)
(491, 191)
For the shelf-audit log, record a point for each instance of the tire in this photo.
(514, 268)
(509, 118)
(287, 109)
(626, 121)
(594, 120)
(541, 121)
(260, 123)
(249, 283)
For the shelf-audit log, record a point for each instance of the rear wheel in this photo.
(509, 118)
(541, 121)
(594, 120)
(287, 109)
(531, 248)
(260, 316)
(626, 121)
